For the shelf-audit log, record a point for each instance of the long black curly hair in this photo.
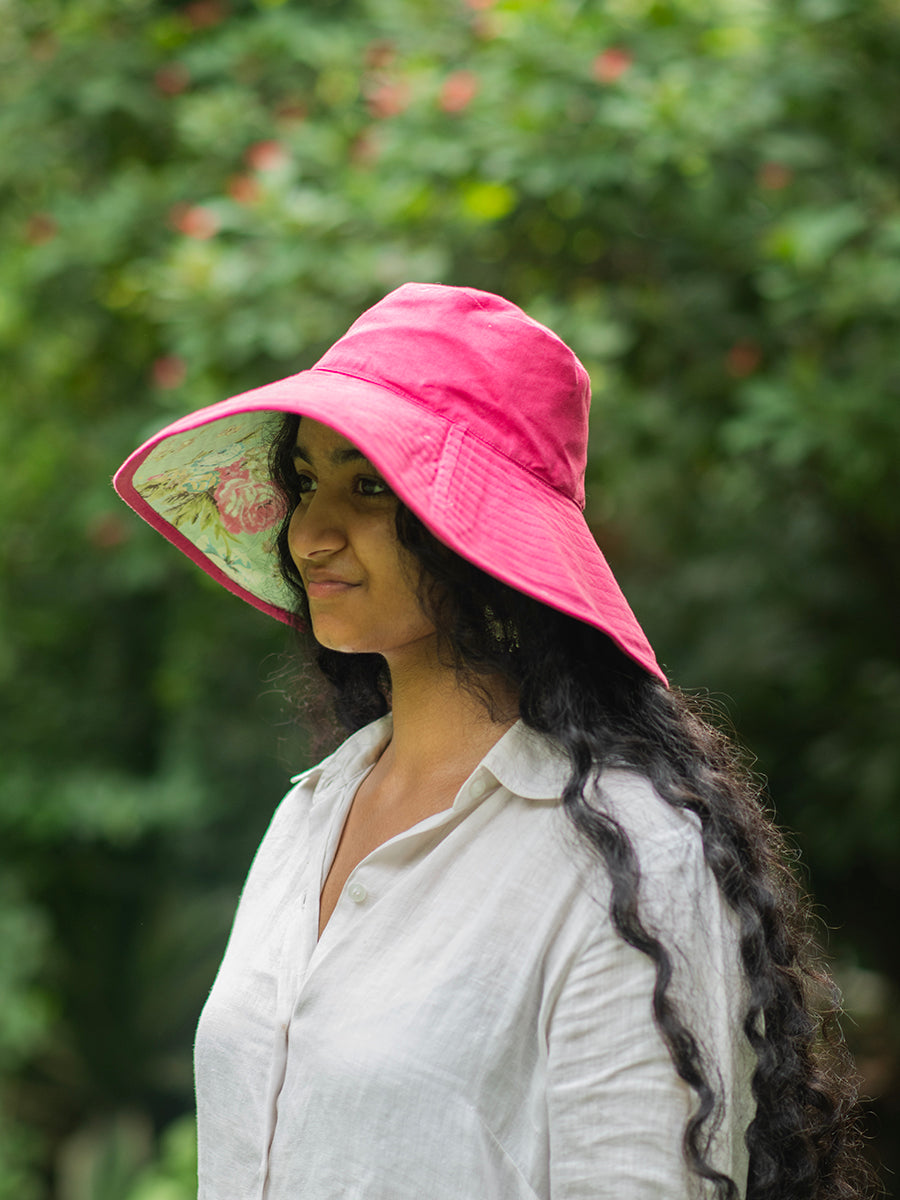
(576, 686)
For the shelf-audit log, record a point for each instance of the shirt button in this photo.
(478, 788)
(357, 893)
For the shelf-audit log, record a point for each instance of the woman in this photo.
(527, 933)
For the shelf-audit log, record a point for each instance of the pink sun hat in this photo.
(475, 414)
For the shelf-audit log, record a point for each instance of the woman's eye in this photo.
(305, 483)
(369, 486)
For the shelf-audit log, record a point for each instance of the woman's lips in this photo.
(324, 589)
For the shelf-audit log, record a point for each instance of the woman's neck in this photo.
(440, 727)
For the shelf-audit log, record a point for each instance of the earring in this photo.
(504, 633)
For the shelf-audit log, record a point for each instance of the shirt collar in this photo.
(352, 758)
(527, 763)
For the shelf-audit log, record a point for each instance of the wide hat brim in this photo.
(203, 482)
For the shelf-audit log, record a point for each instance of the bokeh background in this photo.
(702, 198)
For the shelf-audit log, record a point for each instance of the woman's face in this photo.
(360, 582)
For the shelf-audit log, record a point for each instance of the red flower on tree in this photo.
(172, 79)
(380, 54)
(108, 531)
(611, 65)
(193, 220)
(773, 176)
(204, 14)
(743, 358)
(458, 91)
(39, 228)
(291, 112)
(388, 98)
(242, 189)
(266, 156)
(169, 371)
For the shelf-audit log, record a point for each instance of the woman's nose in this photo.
(315, 529)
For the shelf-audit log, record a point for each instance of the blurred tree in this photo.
(198, 197)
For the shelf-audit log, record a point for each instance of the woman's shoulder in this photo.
(667, 841)
(679, 899)
(535, 766)
(654, 826)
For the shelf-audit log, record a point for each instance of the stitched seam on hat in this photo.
(453, 424)
(448, 460)
(521, 466)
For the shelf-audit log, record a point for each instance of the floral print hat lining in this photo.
(476, 415)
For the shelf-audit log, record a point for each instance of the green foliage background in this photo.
(702, 198)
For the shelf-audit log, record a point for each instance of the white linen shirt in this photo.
(469, 1026)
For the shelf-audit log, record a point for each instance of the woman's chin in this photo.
(343, 641)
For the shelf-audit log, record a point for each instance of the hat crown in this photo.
(475, 414)
(483, 364)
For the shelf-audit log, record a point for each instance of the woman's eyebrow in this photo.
(337, 458)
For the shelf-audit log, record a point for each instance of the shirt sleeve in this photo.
(617, 1108)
